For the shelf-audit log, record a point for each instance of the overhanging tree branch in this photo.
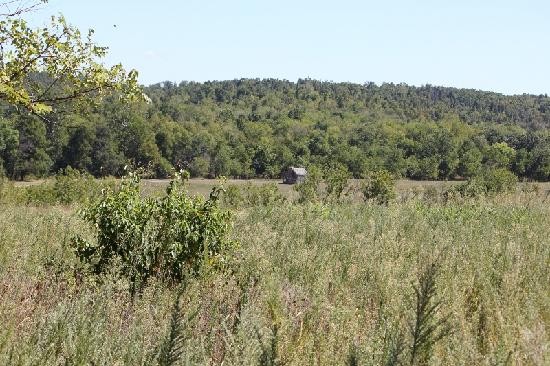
(17, 7)
(62, 55)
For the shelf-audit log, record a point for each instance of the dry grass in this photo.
(307, 285)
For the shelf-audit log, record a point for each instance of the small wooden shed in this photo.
(294, 175)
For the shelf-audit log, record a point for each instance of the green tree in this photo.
(77, 153)
(106, 156)
(9, 140)
(31, 158)
(223, 163)
(200, 166)
(540, 162)
(70, 61)
(499, 155)
(470, 158)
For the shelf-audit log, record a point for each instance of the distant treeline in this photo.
(255, 128)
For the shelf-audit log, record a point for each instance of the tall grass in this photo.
(309, 285)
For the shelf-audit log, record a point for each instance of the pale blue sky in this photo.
(502, 46)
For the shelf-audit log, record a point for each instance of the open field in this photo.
(403, 187)
(105, 261)
(312, 284)
(204, 186)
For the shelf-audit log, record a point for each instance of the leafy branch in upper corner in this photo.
(42, 67)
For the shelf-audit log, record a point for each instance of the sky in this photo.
(500, 46)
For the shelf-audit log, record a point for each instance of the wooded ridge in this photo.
(257, 127)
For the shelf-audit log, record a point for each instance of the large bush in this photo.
(166, 237)
(492, 181)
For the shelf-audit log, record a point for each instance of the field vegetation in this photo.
(423, 278)
(101, 264)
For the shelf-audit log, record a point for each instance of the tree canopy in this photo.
(256, 128)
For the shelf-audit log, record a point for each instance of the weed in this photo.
(427, 328)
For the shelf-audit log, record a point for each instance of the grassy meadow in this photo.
(421, 281)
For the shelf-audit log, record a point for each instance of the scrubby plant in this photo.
(252, 195)
(166, 237)
(379, 186)
(171, 347)
(310, 189)
(410, 338)
(269, 355)
(427, 326)
(492, 181)
(336, 181)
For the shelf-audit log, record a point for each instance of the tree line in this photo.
(255, 128)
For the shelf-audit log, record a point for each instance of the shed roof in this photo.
(299, 171)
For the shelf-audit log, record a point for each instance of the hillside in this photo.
(397, 101)
(255, 128)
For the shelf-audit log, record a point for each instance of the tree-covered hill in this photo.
(255, 128)
(399, 101)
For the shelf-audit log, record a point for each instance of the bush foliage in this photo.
(250, 195)
(166, 237)
(379, 187)
(491, 182)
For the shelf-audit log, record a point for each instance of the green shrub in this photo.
(233, 196)
(263, 195)
(39, 194)
(75, 186)
(310, 189)
(474, 187)
(336, 180)
(379, 187)
(252, 195)
(492, 181)
(165, 237)
(69, 186)
(499, 180)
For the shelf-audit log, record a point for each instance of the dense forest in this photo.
(255, 128)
